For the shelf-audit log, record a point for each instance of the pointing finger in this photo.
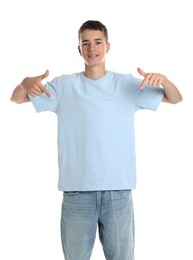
(42, 87)
(44, 90)
(145, 80)
(143, 83)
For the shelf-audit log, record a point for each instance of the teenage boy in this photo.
(96, 144)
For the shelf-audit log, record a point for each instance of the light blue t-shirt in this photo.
(96, 140)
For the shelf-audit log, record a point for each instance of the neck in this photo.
(95, 72)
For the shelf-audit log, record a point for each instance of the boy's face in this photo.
(93, 47)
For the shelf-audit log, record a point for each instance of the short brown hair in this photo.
(93, 25)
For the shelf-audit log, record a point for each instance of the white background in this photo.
(42, 34)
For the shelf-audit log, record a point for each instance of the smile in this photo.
(93, 55)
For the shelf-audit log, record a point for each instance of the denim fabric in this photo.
(112, 211)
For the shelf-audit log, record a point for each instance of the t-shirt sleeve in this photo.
(43, 102)
(147, 98)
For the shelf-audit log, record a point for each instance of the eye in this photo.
(98, 42)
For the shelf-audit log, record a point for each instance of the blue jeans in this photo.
(112, 211)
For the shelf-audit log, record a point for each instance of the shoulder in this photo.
(126, 79)
(66, 77)
(119, 75)
(62, 80)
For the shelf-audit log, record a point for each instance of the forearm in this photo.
(171, 93)
(20, 95)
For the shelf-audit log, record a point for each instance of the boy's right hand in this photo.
(33, 85)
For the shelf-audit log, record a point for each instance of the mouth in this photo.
(92, 55)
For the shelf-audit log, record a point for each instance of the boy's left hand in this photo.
(151, 79)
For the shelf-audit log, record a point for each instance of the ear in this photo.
(79, 50)
(108, 47)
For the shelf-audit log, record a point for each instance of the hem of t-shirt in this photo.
(96, 189)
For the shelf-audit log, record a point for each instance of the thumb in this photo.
(141, 72)
(45, 75)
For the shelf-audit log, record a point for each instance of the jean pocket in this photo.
(70, 193)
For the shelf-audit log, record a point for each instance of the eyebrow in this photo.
(99, 39)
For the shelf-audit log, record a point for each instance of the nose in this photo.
(92, 47)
